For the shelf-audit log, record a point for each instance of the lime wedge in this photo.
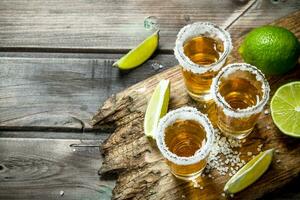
(157, 107)
(250, 172)
(139, 54)
(285, 109)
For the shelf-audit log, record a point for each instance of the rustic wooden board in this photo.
(142, 171)
(42, 168)
(61, 92)
(89, 25)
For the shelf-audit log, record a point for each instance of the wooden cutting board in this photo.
(143, 173)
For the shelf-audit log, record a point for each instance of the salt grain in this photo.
(249, 153)
(157, 66)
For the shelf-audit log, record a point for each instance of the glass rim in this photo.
(192, 30)
(221, 102)
(184, 113)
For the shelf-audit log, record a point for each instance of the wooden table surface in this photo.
(55, 71)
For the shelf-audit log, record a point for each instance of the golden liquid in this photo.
(238, 93)
(203, 51)
(184, 138)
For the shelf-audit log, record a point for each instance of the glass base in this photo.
(209, 108)
(234, 134)
(189, 177)
(200, 97)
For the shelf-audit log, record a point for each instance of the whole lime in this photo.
(274, 50)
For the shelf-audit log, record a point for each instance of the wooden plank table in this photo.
(55, 70)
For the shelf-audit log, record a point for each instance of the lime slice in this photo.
(285, 109)
(139, 54)
(250, 172)
(157, 107)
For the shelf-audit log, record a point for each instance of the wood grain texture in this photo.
(111, 26)
(62, 93)
(142, 171)
(48, 134)
(42, 168)
(261, 13)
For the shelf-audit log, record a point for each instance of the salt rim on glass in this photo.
(184, 113)
(240, 113)
(201, 29)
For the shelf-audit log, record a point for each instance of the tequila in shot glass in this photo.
(240, 91)
(185, 137)
(201, 49)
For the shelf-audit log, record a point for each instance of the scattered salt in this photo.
(249, 153)
(223, 148)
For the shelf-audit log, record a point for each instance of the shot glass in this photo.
(185, 137)
(240, 92)
(201, 49)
